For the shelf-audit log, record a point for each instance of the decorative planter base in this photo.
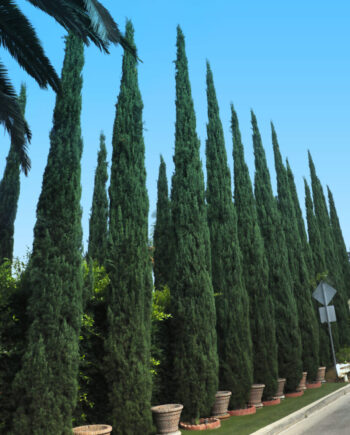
(222, 417)
(167, 418)
(222, 399)
(272, 402)
(302, 384)
(296, 394)
(243, 411)
(93, 429)
(321, 372)
(256, 392)
(314, 385)
(204, 423)
(280, 388)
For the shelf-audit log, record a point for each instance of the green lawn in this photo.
(248, 424)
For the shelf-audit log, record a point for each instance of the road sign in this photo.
(331, 314)
(324, 293)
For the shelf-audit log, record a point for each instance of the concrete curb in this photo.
(291, 419)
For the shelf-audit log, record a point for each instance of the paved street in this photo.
(333, 419)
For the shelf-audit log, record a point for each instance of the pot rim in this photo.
(101, 428)
(166, 408)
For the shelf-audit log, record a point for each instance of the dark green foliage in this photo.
(98, 230)
(129, 296)
(9, 193)
(320, 270)
(232, 303)
(335, 272)
(195, 362)
(46, 387)
(255, 271)
(339, 242)
(161, 241)
(300, 275)
(280, 280)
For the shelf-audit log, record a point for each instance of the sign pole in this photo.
(329, 328)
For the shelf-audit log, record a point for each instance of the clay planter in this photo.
(280, 387)
(93, 429)
(314, 385)
(256, 392)
(272, 402)
(204, 423)
(222, 399)
(302, 384)
(296, 394)
(321, 372)
(243, 411)
(167, 417)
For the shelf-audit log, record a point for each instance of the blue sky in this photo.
(288, 61)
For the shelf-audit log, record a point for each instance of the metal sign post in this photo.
(329, 326)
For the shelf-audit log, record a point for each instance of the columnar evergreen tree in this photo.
(9, 193)
(98, 225)
(320, 270)
(339, 241)
(232, 304)
(255, 271)
(46, 386)
(301, 280)
(280, 280)
(127, 345)
(335, 273)
(195, 361)
(162, 231)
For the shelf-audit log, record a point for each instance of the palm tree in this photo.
(88, 19)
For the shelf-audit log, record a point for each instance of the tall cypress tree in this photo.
(46, 386)
(255, 271)
(339, 241)
(98, 225)
(162, 253)
(127, 345)
(301, 280)
(232, 304)
(9, 193)
(195, 361)
(335, 273)
(280, 280)
(320, 270)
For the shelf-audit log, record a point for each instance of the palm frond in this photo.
(11, 116)
(18, 36)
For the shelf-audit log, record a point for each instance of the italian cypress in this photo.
(232, 304)
(129, 296)
(195, 361)
(9, 193)
(320, 270)
(255, 271)
(335, 273)
(161, 242)
(301, 281)
(98, 225)
(46, 386)
(280, 280)
(339, 241)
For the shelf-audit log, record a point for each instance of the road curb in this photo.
(291, 419)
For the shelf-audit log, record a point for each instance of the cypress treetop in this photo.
(301, 280)
(280, 280)
(195, 362)
(47, 387)
(232, 304)
(9, 193)
(98, 225)
(255, 271)
(129, 295)
(162, 231)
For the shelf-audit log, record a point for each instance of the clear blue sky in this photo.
(288, 61)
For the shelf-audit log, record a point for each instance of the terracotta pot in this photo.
(167, 417)
(93, 429)
(302, 383)
(243, 411)
(280, 387)
(321, 372)
(222, 399)
(256, 392)
(204, 423)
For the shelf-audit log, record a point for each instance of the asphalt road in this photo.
(333, 419)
